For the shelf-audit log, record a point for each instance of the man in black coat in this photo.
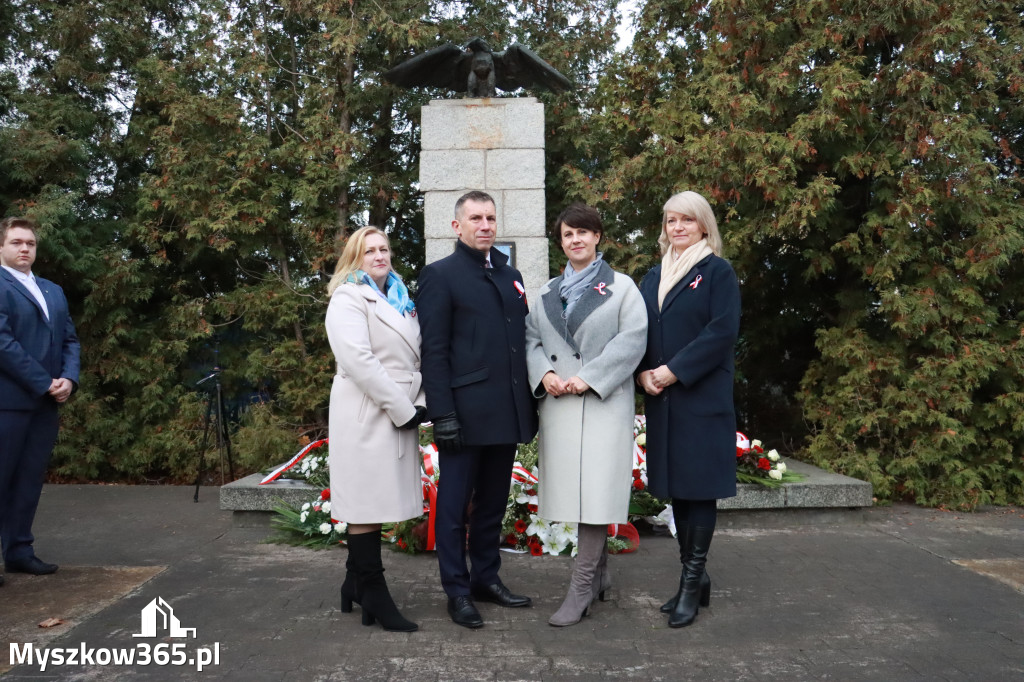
(472, 308)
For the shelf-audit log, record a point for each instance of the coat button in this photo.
(576, 355)
(554, 358)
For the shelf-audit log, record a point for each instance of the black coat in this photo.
(691, 426)
(473, 323)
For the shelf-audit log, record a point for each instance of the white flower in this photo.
(553, 545)
(313, 465)
(341, 527)
(326, 507)
(773, 455)
(563, 533)
(756, 443)
(776, 474)
(306, 506)
(521, 497)
(781, 467)
(326, 528)
(641, 440)
(304, 515)
(538, 527)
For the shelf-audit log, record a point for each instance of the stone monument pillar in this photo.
(495, 145)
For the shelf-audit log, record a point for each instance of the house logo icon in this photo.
(158, 615)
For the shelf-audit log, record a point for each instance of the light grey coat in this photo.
(375, 467)
(586, 442)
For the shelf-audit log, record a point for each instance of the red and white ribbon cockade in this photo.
(600, 288)
(694, 283)
(519, 288)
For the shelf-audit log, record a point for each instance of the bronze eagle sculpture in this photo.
(476, 70)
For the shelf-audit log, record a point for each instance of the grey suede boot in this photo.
(591, 540)
(603, 577)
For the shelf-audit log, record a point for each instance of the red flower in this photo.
(758, 449)
(401, 543)
(763, 463)
(532, 508)
(638, 484)
(520, 526)
(636, 474)
(740, 452)
(511, 539)
(325, 494)
(536, 549)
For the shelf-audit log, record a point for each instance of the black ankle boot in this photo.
(374, 596)
(690, 597)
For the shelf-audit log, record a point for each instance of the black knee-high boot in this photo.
(690, 596)
(349, 591)
(680, 513)
(374, 597)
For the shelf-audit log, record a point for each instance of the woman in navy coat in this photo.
(693, 310)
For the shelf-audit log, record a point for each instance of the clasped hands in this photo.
(654, 381)
(60, 389)
(556, 386)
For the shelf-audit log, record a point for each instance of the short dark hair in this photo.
(477, 196)
(14, 221)
(580, 216)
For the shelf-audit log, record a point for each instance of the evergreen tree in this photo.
(863, 159)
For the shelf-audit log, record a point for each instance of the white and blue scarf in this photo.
(397, 293)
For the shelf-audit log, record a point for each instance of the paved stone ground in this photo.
(896, 593)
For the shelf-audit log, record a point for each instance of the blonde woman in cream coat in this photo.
(376, 405)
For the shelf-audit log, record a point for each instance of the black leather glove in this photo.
(417, 419)
(447, 432)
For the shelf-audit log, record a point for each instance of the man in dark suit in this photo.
(38, 371)
(472, 308)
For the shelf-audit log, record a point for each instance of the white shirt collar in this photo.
(22, 277)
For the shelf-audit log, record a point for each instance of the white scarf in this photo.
(674, 268)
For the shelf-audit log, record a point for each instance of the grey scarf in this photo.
(575, 284)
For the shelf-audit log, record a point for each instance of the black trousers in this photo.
(473, 488)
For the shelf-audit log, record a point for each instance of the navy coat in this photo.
(473, 323)
(691, 425)
(33, 350)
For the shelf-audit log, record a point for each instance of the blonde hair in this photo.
(695, 206)
(352, 255)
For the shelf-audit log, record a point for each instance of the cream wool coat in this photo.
(375, 467)
(586, 442)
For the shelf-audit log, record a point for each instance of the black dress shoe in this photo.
(463, 612)
(32, 565)
(499, 594)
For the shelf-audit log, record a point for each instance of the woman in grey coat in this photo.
(582, 344)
